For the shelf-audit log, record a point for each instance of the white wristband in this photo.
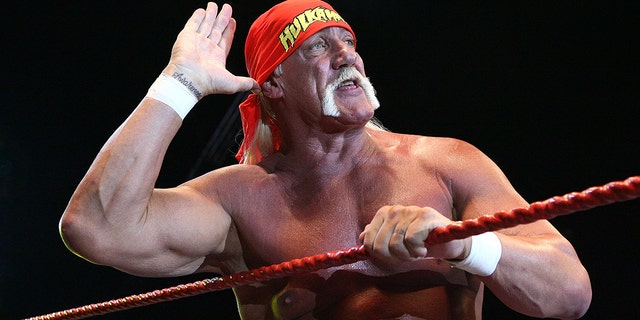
(483, 257)
(172, 93)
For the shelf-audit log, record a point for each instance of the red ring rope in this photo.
(572, 202)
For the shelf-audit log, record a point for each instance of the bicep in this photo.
(179, 229)
(480, 187)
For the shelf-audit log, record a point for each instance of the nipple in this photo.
(292, 303)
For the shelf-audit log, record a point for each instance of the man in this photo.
(315, 176)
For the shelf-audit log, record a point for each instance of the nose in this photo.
(345, 56)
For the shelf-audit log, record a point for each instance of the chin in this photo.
(356, 117)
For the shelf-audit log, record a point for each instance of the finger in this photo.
(196, 19)
(426, 220)
(220, 23)
(227, 36)
(248, 84)
(398, 242)
(414, 241)
(385, 222)
(397, 246)
(386, 231)
(209, 19)
(368, 236)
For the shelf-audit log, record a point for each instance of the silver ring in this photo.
(400, 232)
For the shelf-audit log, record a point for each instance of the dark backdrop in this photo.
(549, 90)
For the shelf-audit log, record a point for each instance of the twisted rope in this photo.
(560, 205)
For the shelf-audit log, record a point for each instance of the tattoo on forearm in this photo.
(180, 77)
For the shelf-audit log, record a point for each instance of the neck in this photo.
(324, 154)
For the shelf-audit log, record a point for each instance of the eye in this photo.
(350, 42)
(317, 45)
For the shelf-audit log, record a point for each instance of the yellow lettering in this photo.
(319, 13)
(295, 29)
(285, 38)
(332, 15)
(301, 23)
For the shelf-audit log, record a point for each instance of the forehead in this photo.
(331, 31)
(304, 52)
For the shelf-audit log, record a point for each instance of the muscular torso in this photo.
(280, 219)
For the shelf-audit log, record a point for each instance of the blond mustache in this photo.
(329, 107)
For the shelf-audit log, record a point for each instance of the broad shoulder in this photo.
(231, 184)
(240, 174)
(439, 149)
(467, 171)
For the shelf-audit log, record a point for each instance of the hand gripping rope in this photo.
(560, 205)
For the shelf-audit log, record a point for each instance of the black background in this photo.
(548, 90)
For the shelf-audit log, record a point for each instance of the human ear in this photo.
(271, 89)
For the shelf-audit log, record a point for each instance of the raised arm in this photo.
(116, 217)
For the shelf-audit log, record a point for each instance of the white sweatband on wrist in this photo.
(172, 93)
(483, 257)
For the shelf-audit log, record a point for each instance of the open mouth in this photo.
(348, 83)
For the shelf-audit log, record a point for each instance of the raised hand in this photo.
(200, 52)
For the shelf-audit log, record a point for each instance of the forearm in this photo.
(541, 276)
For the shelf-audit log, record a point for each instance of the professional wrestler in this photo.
(315, 175)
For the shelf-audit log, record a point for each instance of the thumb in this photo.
(248, 84)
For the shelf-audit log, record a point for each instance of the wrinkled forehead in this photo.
(339, 32)
(277, 33)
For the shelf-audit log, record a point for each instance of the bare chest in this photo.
(302, 221)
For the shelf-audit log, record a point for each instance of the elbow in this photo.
(581, 300)
(568, 299)
(69, 231)
(76, 234)
(578, 296)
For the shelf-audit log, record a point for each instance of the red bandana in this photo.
(272, 38)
